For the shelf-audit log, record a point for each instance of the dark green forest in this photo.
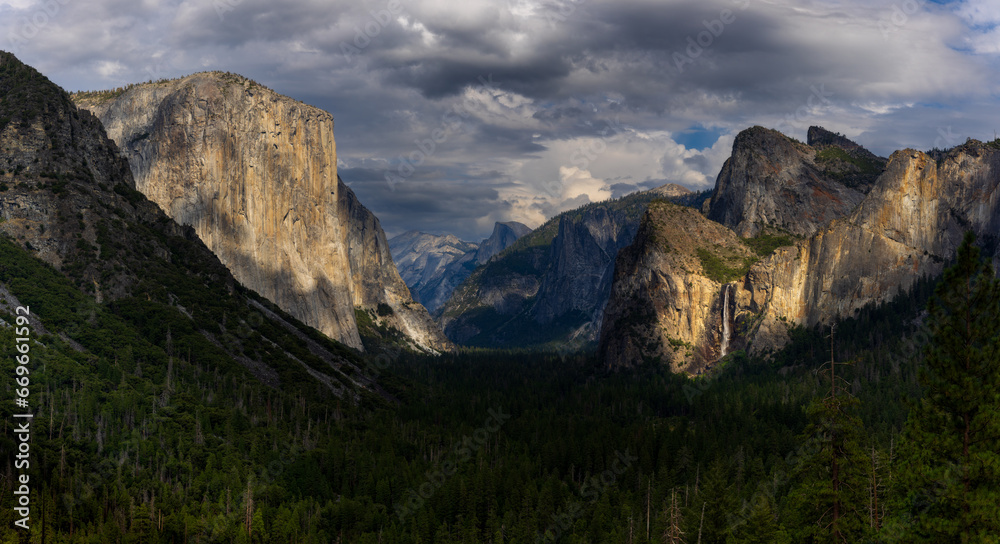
(884, 432)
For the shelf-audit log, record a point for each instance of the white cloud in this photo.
(109, 68)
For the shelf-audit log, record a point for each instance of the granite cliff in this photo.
(671, 299)
(121, 280)
(504, 235)
(908, 225)
(431, 265)
(255, 174)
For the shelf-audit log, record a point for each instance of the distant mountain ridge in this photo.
(550, 287)
(504, 235)
(433, 266)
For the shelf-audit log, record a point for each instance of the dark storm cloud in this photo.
(595, 94)
(451, 208)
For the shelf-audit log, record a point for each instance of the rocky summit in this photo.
(112, 278)
(671, 300)
(255, 174)
(907, 227)
(433, 266)
(772, 183)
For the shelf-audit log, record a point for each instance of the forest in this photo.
(882, 428)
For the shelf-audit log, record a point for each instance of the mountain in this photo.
(549, 287)
(772, 183)
(672, 190)
(109, 275)
(433, 266)
(845, 160)
(905, 228)
(669, 291)
(503, 236)
(255, 174)
(153, 379)
(427, 263)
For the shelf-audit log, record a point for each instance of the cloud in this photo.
(595, 98)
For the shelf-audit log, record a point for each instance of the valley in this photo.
(228, 348)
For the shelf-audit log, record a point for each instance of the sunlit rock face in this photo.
(907, 225)
(255, 174)
(666, 302)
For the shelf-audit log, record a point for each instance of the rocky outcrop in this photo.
(671, 300)
(426, 262)
(433, 266)
(774, 183)
(845, 160)
(255, 174)
(671, 190)
(907, 226)
(578, 280)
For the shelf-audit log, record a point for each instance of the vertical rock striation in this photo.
(255, 174)
(908, 225)
(550, 287)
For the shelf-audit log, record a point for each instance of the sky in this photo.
(450, 116)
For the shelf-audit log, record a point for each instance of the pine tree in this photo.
(951, 444)
(712, 507)
(760, 527)
(830, 479)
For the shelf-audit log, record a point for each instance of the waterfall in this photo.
(726, 318)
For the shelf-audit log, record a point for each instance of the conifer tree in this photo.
(709, 518)
(951, 442)
(829, 493)
(760, 527)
